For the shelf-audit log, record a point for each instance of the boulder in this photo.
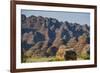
(60, 53)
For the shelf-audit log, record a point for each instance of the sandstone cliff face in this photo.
(39, 33)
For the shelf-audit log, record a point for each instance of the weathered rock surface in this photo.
(40, 33)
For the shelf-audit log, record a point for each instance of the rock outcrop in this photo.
(40, 33)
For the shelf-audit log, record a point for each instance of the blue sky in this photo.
(72, 17)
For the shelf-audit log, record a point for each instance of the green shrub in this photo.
(84, 56)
